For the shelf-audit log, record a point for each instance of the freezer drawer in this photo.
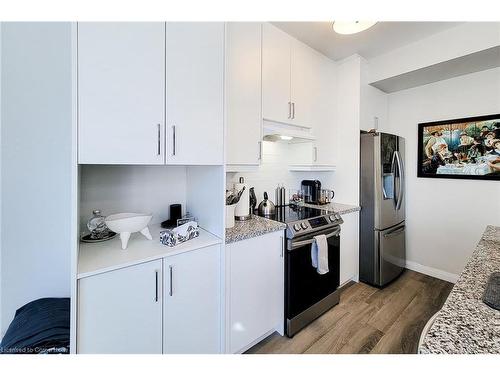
(392, 254)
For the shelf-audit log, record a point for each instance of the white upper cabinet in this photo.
(276, 49)
(121, 85)
(303, 85)
(243, 93)
(324, 129)
(195, 92)
(192, 318)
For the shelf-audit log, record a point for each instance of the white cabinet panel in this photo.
(192, 302)
(349, 248)
(323, 113)
(121, 311)
(305, 79)
(243, 93)
(121, 85)
(256, 289)
(195, 90)
(276, 47)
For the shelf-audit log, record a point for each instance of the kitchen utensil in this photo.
(266, 207)
(127, 223)
(253, 200)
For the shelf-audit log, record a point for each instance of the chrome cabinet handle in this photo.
(159, 139)
(173, 140)
(282, 246)
(171, 289)
(260, 150)
(315, 154)
(156, 285)
(289, 110)
(293, 110)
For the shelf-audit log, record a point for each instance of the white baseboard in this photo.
(434, 272)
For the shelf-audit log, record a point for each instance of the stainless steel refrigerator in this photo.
(382, 219)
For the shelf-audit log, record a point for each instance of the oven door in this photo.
(304, 285)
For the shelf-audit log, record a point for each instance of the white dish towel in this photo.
(319, 254)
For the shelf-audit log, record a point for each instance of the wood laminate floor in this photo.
(368, 320)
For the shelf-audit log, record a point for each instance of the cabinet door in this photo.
(192, 302)
(256, 289)
(323, 114)
(121, 85)
(195, 92)
(349, 248)
(276, 47)
(304, 83)
(121, 311)
(244, 93)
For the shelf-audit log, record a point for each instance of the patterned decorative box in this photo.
(180, 234)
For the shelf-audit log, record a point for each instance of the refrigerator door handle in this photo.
(395, 232)
(401, 180)
(393, 172)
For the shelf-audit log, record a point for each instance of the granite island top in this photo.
(256, 226)
(465, 324)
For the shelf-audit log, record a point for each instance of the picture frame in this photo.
(464, 148)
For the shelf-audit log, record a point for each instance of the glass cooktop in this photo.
(289, 214)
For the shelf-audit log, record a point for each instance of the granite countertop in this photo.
(466, 325)
(336, 207)
(256, 226)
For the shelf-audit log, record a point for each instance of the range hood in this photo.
(281, 132)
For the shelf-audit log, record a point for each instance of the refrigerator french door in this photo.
(382, 197)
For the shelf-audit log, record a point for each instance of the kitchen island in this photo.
(465, 324)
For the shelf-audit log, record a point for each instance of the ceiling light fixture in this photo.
(351, 27)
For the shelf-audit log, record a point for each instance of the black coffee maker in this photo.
(311, 190)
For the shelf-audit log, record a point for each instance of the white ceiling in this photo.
(379, 39)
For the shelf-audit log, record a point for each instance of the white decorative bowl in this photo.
(127, 223)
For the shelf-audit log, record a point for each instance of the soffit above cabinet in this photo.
(471, 63)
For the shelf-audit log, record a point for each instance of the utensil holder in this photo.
(230, 215)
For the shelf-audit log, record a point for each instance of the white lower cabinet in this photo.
(255, 291)
(131, 310)
(192, 316)
(121, 311)
(349, 248)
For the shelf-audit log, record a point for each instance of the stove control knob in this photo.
(296, 227)
(333, 217)
(303, 225)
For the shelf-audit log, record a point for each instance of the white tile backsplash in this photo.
(276, 157)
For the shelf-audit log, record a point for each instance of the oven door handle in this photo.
(308, 242)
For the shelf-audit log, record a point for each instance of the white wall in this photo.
(445, 218)
(36, 163)
(128, 188)
(276, 157)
